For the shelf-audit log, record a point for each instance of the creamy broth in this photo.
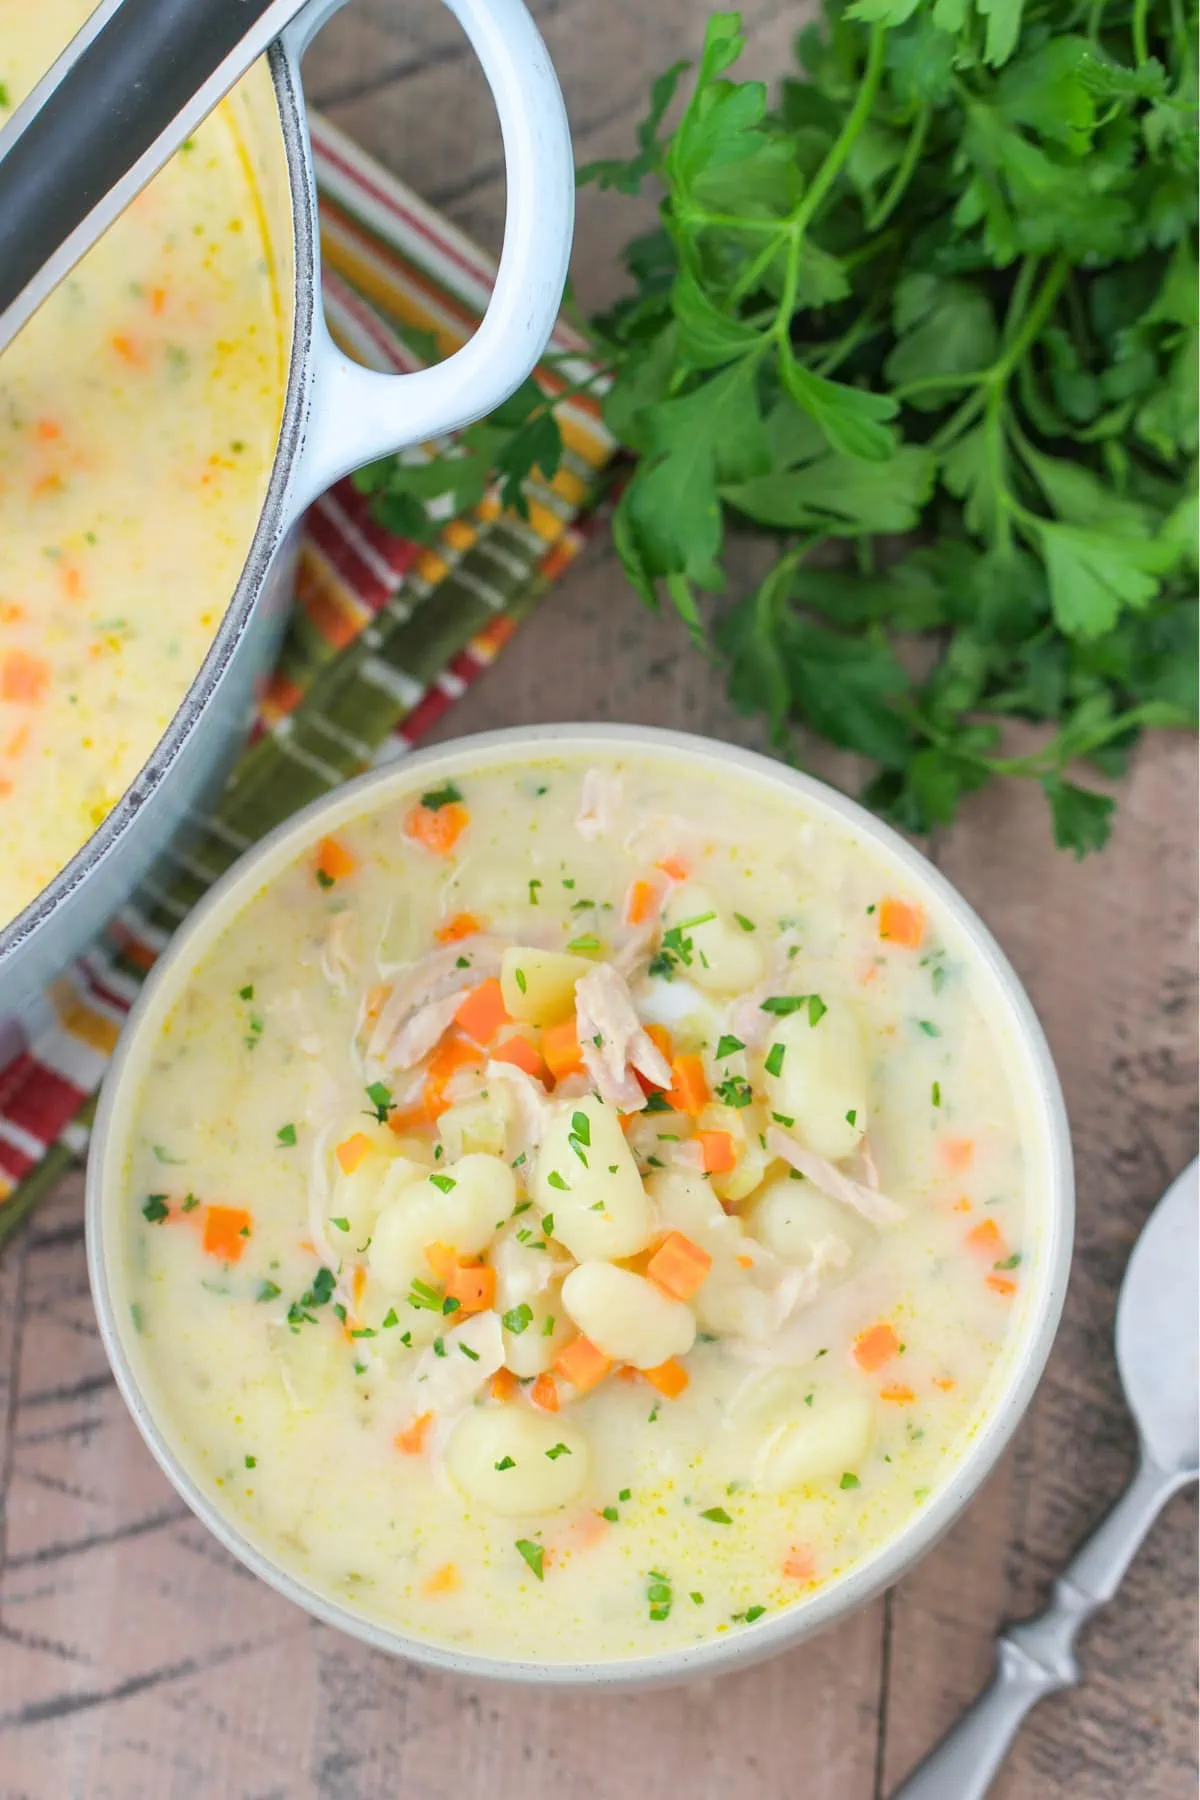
(139, 410)
(578, 1309)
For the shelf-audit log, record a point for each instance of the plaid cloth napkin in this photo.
(385, 634)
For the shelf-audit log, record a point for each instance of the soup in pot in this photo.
(577, 1212)
(139, 411)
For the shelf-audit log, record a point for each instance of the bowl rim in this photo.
(888, 1562)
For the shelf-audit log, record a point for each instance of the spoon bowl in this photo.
(1158, 1330)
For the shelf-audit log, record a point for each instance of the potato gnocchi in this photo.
(642, 1207)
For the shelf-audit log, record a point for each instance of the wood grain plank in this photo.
(1107, 951)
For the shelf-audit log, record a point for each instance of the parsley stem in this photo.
(845, 141)
(904, 171)
(1141, 50)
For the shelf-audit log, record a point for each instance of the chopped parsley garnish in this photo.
(785, 1120)
(624, 1493)
(555, 1180)
(745, 923)
(520, 1207)
(446, 795)
(1010, 1262)
(439, 1346)
(267, 1290)
(471, 1355)
(319, 1294)
(728, 1046)
(782, 1004)
(610, 1513)
(246, 993)
(364, 1331)
(581, 1128)
(534, 1555)
(935, 1093)
(445, 1183)
(519, 978)
(156, 1209)
(450, 1305)
(717, 1514)
(696, 1599)
(254, 1030)
(929, 1028)
(506, 1462)
(190, 1203)
(735, 1090)
(391, 1319)
(657, 1103)
(423, 1296)
(852, 1116)
(849, 1481)
(518, 1318)
(324, 878)
(548, 1224)
(557, 1450)
(548, 1327)
(534, 885)
(286, 1136)
(751, 1613)
(380, 1097)
(342, 1224)
(462, 962)
(251, 1462)
(658, 1593)
(163, 1156)
(774, 1060)
(589, 941)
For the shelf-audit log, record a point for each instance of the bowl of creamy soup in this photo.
(584, 1205)
(165, 417)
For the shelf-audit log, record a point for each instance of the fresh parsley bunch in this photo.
(943, 291)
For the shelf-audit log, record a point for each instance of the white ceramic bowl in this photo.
(1029, 1062)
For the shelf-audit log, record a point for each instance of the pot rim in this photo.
(274, 522)
(1026, 1358)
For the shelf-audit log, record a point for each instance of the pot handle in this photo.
(357, 414)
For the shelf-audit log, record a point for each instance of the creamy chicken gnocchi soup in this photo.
(576, 1212)
(138, 416)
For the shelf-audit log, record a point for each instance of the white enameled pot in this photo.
(1019, 1038)
(337, 415)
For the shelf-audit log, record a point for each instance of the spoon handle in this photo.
(1036, 1657)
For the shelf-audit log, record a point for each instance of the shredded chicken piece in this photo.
(337, 955)
(868, 1202)
(748, 1020)
(436, 977)
(445, 1385)
(531, 1105)
(604, 1009)
(599, 798)
(422, 1030)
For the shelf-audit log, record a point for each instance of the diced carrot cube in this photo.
(679, 1266)
(504, 1385)
(472, 1285)
(986, 1238)
(900, 923)
(875, 1347)
(351, 1151)
(226, 1229)
(483, 1011)
(334, 861)
(582, 1364)
(437, 829)
(412, 1439)
(641, 902)
(544, 1393)
(445, 1580)
(660, 1037)
(670, 1378)
(897, 1394)
(718, 1150)
(23, 677)
(358, 1284)
(799, 1564)
(1000, 1284)
(688, 1092)
(462, 925)
(957, 1153)
(409, 1121)
(523, 1054)
(675, 867)
(560, 1049)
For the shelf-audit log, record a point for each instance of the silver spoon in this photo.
(1158, 1354)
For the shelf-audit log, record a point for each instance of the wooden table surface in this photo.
(139, 1662)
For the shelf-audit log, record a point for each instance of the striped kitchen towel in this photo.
(384, 635)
